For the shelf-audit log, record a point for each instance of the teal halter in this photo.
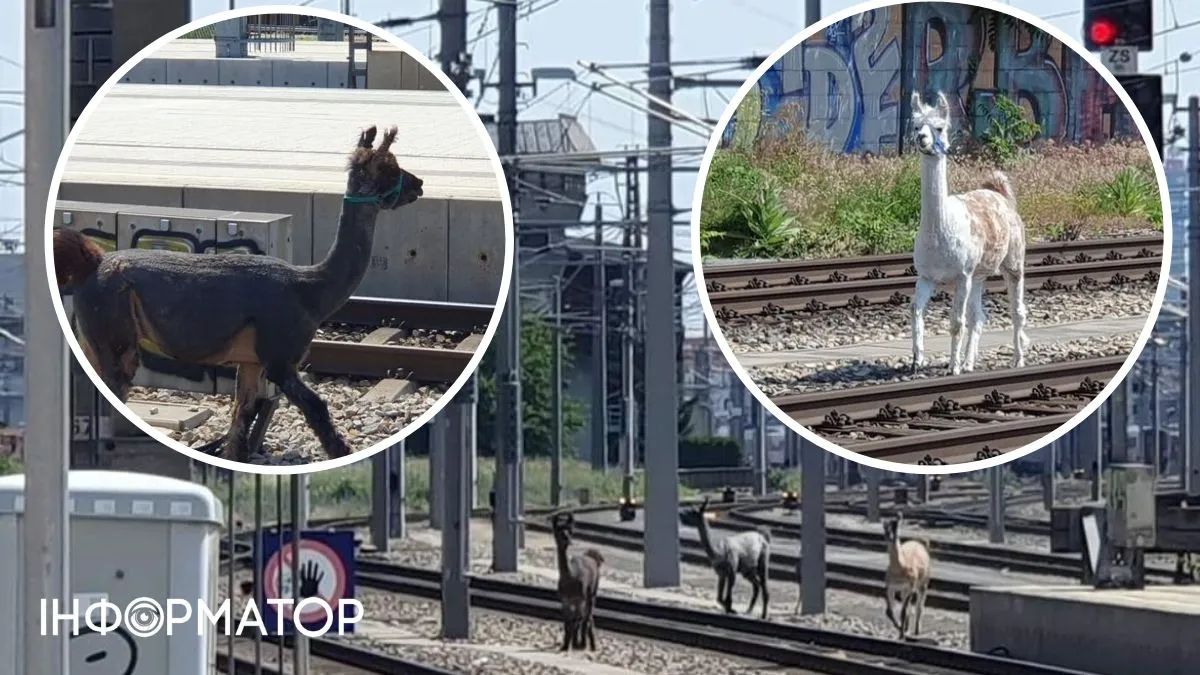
(375, 199)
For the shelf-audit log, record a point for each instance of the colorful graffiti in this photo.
(849, 85)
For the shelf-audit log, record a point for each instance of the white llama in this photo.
(962, 240)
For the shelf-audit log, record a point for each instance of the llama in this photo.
(907, 577)
(962, 240)
(578, 586)
(745, 553)
(257, 313)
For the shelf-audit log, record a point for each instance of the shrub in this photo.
(707, 451)
(881, 217)
(9, 465)
(1132, 192)
(1009, 130)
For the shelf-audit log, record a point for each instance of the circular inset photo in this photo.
(281, 241)
(933, 236)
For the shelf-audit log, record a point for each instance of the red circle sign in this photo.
(329, 575)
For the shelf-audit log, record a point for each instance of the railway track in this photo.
(330, 655)
(780, 643)
(738, 291)
(957, 418)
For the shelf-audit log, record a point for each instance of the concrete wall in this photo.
(851, 84)
(1150, 631)
(434, 249)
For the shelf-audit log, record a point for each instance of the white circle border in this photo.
(976, 465)
(421, 420)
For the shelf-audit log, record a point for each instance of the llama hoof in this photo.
(211, 448)
(338, 448)
(1018, 363)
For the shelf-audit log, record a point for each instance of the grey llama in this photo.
(745, 553)
(578, 585)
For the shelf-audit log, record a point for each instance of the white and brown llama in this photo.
(962, 240)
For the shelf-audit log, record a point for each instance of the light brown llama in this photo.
(907, 578)
(578, 586)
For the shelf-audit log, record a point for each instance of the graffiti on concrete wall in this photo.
(848, 84)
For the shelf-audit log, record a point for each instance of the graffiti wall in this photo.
(851, 84)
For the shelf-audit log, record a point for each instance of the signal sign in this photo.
(1112, 23)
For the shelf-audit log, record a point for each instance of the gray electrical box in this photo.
(1130, 498)
(132, 536)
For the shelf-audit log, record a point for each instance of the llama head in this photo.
(693, 516)
(891, 528)
(563, 525)
(374, 173)
(931, 125)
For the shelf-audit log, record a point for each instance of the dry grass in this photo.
(859, 205)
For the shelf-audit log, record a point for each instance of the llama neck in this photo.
(346, 263)
(706, 539)
(564, 569)
(935, 191)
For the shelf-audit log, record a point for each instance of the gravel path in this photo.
(800, 377)
(837, 327)
(289, 438)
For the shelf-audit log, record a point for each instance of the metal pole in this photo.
(279, 547)
(873, 479)
(1087, 442)
(46, 529)
(456, 605)
(996, 504)
(505, 537)
(760, 450)
(661, 499)
(256, 573)
(600, 352)
(381, 501)
(1155, 433)
(812, 528)
(1192, 465)
(629, 330)
(437, 468)
(1118, 425)
(556, 400)
(300, 664)
(399, 487)
(812, 12)
(1048, 476)
(229, 571)
(452, 57)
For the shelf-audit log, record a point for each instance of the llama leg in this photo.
(921, 297)
(753, 594)
(245, 407)
(976, 317)
(589, 623)
(889, 599)
(904, 614)
(315, 412)
(766, 597)
(1016, 304)
(919, 610)
(957, 318)
(730, 580)
(720, 589)
(568, 638)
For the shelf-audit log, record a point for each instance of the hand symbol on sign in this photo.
(310, 580)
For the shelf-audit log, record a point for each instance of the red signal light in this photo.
(1104, 32)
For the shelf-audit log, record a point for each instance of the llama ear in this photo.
(916, 102)
(388, 137)
(943, 105)
(367, 138)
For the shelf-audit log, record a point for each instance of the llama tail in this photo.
(75, 257)
(998, 182)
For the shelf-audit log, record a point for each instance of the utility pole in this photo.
(1118, 424)
(600, 352)
(628, 332)
(556, 400)
(300, 644)
(661, 562)
(506, 513)
(452, 57)
(812, 12)
(760, 450)
(1192, 465)
(399, 490)
(456, 518)
(995, 479)
(812, 528)
(381, 517)
(46, 527)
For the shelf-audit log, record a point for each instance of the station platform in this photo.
(1103, 631)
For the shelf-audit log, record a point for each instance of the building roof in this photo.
(306, 50)
(538, 137)
(275, 139)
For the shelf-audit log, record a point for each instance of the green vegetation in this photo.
(346, 492)
(9, 465)
(784, 195)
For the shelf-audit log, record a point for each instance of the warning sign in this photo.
(326, 572)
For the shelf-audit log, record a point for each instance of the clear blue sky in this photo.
(615, 30)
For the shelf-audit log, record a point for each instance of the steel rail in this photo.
(897, 290)
(863, 402)
(964, 444)
(733, 275)
(456, 316)
(423, 364)
(782, 643)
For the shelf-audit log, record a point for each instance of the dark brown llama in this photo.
(257, 313)
(578, 585)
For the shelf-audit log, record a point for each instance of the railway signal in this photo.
(1146, 92)
(1118, 23)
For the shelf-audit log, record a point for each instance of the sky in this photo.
(563, 32)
